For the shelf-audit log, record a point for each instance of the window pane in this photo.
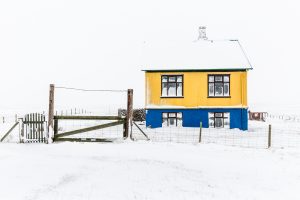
(211, 121)
(165, 115)
(179, 122)
(226, 78)
(226, 114)
(211, 89)
(172, 89)
(179, 79)
(218, 114)
(179, 89)
(211, 78)
(218, 78)
(172, 121)
(226, 89)
(165, 122)
(219, 89)
(164, 89)
(179, 115)
(172, 78)
(164, 79)
(172, 114)
(219, 122)
(227, 122)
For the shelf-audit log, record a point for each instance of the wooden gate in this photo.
(34, 128)
(116, 120)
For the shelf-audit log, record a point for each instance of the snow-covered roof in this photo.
(198, 55)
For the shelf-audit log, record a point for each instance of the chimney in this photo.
(202, 33)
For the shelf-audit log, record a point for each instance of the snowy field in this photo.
(283, 134)
(228, 164)
(146, 170)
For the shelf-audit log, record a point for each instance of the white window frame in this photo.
(168, 116)
(213, 82)
(224, 116)
(166, 79)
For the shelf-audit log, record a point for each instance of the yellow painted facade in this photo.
(195, 90)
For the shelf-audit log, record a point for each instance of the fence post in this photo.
(269, 136)
(129, 113)
(55, 129)
(51, 108)
(200, 133)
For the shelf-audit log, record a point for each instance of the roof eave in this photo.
(198, 70)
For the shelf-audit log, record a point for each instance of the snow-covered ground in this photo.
(162, 168)
(146, 170)
(283, 134)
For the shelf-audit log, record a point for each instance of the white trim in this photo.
(172, 96)
(197, 107)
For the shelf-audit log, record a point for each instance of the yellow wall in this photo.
(195, 88)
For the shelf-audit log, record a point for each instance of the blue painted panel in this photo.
(192, 117)
(244, 119)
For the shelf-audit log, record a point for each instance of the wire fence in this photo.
(114, 132)
(285, 132)
(256, 137)
(73, 101)
(4, 119)
(284, 117)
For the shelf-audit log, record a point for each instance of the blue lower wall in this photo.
(192, 117)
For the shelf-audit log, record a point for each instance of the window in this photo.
(218, 85)
(171, 86)
(171, 119)
(219, 120)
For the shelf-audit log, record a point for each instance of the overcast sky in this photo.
(97, 44)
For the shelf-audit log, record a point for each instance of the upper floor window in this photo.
(172, 85)
(218, 85)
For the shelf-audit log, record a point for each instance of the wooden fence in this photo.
(34, 128)
(116, 120)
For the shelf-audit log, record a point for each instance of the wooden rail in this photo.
(88, 118)
(141, 131)
(83, 130)
(8, 132)
(82, 140)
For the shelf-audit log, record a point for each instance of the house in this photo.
(191, 82)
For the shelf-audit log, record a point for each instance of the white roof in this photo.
(198, 55)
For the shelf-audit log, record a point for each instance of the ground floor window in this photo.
(171, 119)
(219, 119)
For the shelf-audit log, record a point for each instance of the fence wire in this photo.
(7, 121)
(285, 132)
(257, 135)
(114, 132)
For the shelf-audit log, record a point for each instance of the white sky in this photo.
(97, 44)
